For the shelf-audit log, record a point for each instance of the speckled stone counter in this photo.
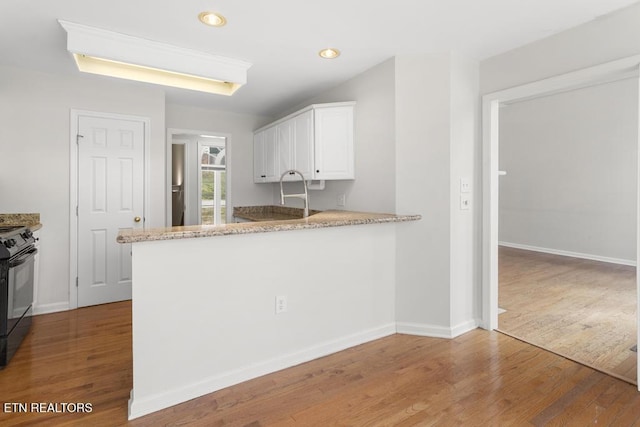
(269, 213)
(31, 220)
(331, 218)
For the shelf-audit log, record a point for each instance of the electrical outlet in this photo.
(342, 199)
(465, 202)
(281, 304)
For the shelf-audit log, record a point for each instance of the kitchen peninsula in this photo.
(217, 305)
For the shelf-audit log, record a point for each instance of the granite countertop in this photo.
(269, 213)
(31, 220)
(331, 218)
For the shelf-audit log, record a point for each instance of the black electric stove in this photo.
(17, 261)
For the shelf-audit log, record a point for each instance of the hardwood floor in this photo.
(582, 309)
(478, 379)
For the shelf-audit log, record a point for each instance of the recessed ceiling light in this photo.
(329, 53)
(212, 18)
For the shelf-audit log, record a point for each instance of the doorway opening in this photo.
(608, 72)
(198, 178)
(568, 224)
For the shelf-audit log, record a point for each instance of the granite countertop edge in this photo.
(320, 220)
(31, 220)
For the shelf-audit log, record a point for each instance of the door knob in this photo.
(136, 219)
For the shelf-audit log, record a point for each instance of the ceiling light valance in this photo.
(113, 54)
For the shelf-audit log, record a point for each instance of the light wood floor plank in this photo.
(480, 378)
(582, 309)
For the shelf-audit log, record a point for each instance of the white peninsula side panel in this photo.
(204, 308)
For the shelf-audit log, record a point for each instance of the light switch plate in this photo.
(465, 185)
(281, 304)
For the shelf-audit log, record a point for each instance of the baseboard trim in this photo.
(435, 331)
(569, 253)
(50, 308)
(138, 407)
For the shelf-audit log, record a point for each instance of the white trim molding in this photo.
(569, 253)
(50, 308)
(603, 73)
(170, 134)
(164, 399)
(435, 331)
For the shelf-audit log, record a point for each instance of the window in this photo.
(213, 180)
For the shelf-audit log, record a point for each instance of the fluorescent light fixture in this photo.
(113, 54)
(106, 67)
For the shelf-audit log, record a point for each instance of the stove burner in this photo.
(14, 239)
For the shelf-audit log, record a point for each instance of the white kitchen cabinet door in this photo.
(286, 149)
(270, 145)
(265, 152)
(259, 164)
(333, 145)
(303, 147)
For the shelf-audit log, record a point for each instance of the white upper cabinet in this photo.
(286, 147)
(271, 154)
(259, 173)
(317, 141)
(303, 156)
(265, 154)
(333, 145)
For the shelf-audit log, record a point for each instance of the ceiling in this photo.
(281, 38)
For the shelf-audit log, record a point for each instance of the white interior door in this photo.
(110, 198)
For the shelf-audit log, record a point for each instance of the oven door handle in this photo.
(23, 258)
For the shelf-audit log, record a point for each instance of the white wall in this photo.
(437, 286)
(373, 189)
(465, 164)
(605, 39)
(423, 187)
(571, 160)
(221, 328)
(240, 127)
(34, 146)
(416, 135)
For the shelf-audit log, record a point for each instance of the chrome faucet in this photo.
(304, 196)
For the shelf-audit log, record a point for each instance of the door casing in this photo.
(608, 72)
(171, 132)
(73, 186)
